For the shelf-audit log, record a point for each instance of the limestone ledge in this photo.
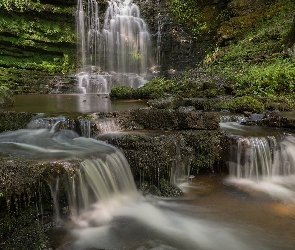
(11, 120)
(168, 119)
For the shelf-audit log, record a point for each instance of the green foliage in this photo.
(32, 5)
(240, 104)
(198, 19)
(182, 11)
(9, 5)
(268, 79)
(183, 85)
(37, 41)
(121, 92)
(282, 103)
(257, 63)
(153, 89)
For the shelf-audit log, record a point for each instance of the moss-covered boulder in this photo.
(26, 203)
(6, 97)
(11, 120)
(169, 119)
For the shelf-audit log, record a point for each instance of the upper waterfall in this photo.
(116, 52)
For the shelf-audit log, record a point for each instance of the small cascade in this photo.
(266, 164)
(103, 175)
(102, 178)
(117, 52)
(94, 83)
(55, 124)
(232, 118)
(52, 123)
(254, 157)
(107, 125)
(180, 167)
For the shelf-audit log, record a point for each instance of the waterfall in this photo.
(117, 52)
(103, 175)
(266, 164)
(256, 157)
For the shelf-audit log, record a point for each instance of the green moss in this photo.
(199, 18)
(36, 42)
(153, 89)
(257, 63)
(6, 97)
(121, 92)
(241, 104)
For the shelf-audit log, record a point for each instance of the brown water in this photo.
(73, 103)
(211, 215)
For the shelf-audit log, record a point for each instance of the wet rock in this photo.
(153, 157)
(11, 120)
(19, 176)
(6, 97)
(169, 119)
(278, 121)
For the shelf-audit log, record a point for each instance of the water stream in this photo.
(107, 212)
(117, 52)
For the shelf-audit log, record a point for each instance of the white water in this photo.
(149, 224)
(265, 164)
(117, 52)
(107, 211)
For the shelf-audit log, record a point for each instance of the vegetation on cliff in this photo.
(254, 48)
(249, 53)
(37, 40)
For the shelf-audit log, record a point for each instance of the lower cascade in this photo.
(266, 164)
(105, 207)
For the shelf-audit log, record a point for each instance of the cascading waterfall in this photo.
(103, 175)
(266, 164)
(118, 52)
(107, 211)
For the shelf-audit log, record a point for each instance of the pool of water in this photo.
(72, 103)
(212, 214)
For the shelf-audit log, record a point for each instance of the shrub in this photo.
(246, 103)
(121, 92)
(153, 89)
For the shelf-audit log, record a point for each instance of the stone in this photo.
(169, 119)
(11, 120)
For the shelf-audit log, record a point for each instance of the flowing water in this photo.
(117, 52)
(107, 212)
(262, 159)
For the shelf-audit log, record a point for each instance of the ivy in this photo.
(182, 11)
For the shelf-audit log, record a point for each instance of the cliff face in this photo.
(37, 38)
(190, 30)
(37, 41)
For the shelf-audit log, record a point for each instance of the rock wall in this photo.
(37, 42)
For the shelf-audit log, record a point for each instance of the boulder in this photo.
(168, 119)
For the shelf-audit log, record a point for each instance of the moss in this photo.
(241, 104)
(257, 63)
(121, 92)
(6, 97)
(23, 231)
(236, 26)
(207, 148)
(36, 41)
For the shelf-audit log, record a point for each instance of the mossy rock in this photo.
(6, 97)
(241, 104)
(121, 92)
(11, 120)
